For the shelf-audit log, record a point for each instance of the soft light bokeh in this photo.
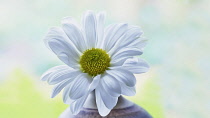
(177, 85)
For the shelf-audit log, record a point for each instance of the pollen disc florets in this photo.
(94, 61)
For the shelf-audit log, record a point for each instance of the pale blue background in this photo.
(177, 85)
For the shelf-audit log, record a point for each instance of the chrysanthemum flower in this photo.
(98, 59)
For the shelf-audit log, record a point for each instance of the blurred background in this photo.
(177, 85)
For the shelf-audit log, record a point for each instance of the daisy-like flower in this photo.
(98, 59)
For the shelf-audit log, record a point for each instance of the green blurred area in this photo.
(150, 100)
(19, 98)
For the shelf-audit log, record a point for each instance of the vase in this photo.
(123, 109)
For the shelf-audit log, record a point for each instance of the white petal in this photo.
(100, 29)
(59, 74)
(67, 60)
(94, 83)
(77, 105)
(62, 75)
(102, 109)
(60, 86)
(74, 33)
(139, 43)
(79, 86)
(118, 62)
(112, 35)
(67, 89)
(136, 65)
(66, 98)
(64, 53)
(123, 76)
(89, 24)
(128, 91)
(126, 52)
(109, 101)
(107, 33)
(123, 54)
(111, 85)
(132, 35)
(46, 75)
(56, 40)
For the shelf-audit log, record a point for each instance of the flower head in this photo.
(98, 59)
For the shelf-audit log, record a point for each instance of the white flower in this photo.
(98, 59)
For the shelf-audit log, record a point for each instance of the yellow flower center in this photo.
(94, 61)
